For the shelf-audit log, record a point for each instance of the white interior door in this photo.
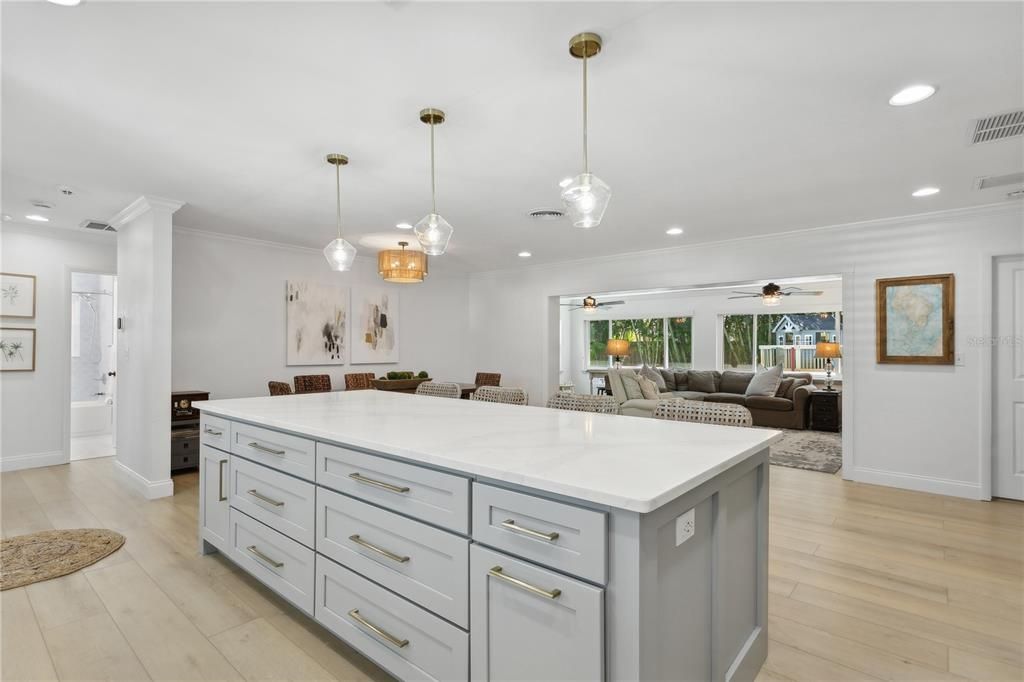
(1008, 379)
(112, 374)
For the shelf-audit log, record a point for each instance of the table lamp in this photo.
(617, 348)
(828, 350)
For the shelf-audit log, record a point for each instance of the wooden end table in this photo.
(826, 410)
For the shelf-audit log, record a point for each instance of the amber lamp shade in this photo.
(617, 347)
(401, 266)
(825, 349)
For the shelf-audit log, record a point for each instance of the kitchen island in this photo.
(451, 539)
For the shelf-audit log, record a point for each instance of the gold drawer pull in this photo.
(213, 432)
(510, 524)
(264, 448)
(260, 555)
(359, 478)
(552, 594)
(400, 643)
(379, 550)
(266, 499)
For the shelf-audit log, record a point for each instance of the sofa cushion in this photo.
(654, 375)
(648, 388)
(682, 381)
(764, 402)
(702, 381)
(631, 385)
(766, 382)
(797, 383)
(669, 377)
(735, 382)
(784, 385)
(638, 408)
(689, 395)
(732, 398)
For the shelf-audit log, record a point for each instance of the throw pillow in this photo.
(735, 382)
(631, 385)
(702, 381)
(765, 382)
(669, 377)
(654, 375)
(784, 386)
(648, 388)
(682, 380)
(797, 383)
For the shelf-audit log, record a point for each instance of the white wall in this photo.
(917, 427)
(33, 405)
(229, 315)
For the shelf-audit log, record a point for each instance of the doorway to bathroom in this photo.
(93, 377)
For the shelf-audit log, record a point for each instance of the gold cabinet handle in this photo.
(510, 524)
(379, 550)
(260, 555)
(496, 572)
(359, 478)
(213, 432)
(400, 643)
(264, 448)
(260, 496)
(221, 495)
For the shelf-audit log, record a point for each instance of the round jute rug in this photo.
(27, 559)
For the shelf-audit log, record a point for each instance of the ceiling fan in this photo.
(590, 304)
(772, 293)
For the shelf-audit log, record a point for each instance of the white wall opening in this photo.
(91, 364)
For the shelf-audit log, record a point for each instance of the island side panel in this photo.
(697, 610)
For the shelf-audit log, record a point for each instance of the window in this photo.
(655, 341)
(738, 342)
(766, 340)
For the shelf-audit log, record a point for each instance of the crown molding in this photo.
(143, 204)
(947, 215)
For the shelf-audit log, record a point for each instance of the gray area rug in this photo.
(812, 450)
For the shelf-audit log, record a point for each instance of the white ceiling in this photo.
(727, 119)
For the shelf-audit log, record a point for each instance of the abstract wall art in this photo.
(375, 330)
(316, 319)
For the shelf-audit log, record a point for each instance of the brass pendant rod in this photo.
(433, 187)
(337, 185)
(586, 155)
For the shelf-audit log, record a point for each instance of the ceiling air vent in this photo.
(991, 181)
(998, 127)
(98, 225)
(546, 214)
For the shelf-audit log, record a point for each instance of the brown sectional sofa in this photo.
(787, 409)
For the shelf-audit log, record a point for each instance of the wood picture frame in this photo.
(17, 295)
(14, 356)
(915, 320)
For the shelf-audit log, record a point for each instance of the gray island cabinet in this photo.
(455, 540)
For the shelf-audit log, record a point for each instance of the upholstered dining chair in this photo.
(487, 379)
(312, 383)
(279, 387)
(582, 402)
(439, 389)
(680, 409)
(497, 394)
(359, 381)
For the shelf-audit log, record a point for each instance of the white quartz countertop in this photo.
(632, 463)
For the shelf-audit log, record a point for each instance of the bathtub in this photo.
(91, 417)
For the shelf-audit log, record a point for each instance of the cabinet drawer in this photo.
(563, 536)
(290, 454)
(419, 562)
(284, 503)
(529, 623)
(278, 562)
(424, 494)
(402, 638)
(215, 432)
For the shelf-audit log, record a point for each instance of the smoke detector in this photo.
(998, 127)
(546, 214)
(65, 190)
(97, 225)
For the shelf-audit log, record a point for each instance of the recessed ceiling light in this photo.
(912, 94)
(65, 3)
(565, 182)
(525, 254)
(674, 231)
(36, 218)
(404, 226)
(925, 192)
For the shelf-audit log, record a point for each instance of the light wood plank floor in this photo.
(865, 583)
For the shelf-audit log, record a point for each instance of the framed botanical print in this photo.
(17, 349)
(915, 320)
(17, 295)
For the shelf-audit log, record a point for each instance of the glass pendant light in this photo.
(339, 253)
(586, 197)
(433, 231)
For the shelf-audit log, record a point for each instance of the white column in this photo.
(144, 344)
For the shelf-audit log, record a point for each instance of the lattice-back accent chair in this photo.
(279, 387)
(582, 402)
(359, 381)
(679, 409)
(439, 389)
(487, 379)
(312, 383)
(497, 394)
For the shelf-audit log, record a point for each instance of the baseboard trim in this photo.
(925, 484)
(32, 460)
(151, 490)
